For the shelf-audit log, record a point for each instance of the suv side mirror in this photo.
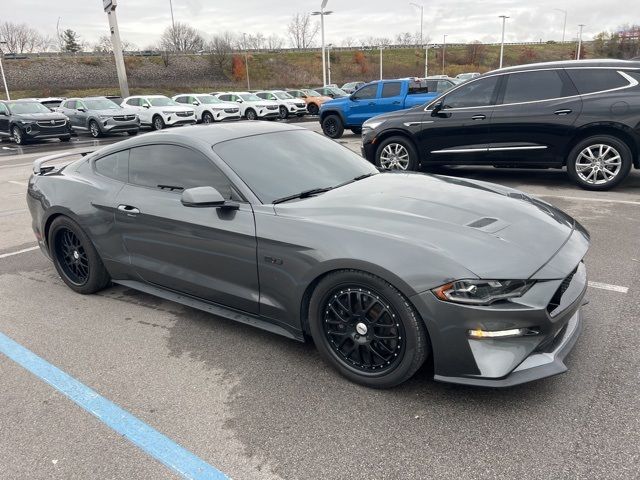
(3, 113)
(196, 103)
(206, 197)
(437, 108)
(82, 109)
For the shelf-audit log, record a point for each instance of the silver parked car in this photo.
(99, 116)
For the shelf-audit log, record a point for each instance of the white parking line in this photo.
(22, 184)
(606, 286)
(18, 252)
(589, 199)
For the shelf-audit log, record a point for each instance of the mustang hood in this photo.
(493, 231)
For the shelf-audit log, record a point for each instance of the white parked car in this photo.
(159, 111)
(251, 106)
(287, 103)
(209, 108)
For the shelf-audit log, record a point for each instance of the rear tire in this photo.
(599, 162)
(332, 126)
(366, 329)
(157, 123)
(75, 257)
(397, 153)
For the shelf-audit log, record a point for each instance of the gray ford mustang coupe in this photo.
(281, 228)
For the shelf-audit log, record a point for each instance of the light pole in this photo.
(322, 13)
(504, 21)
(381, 47)
(579, 41)
(564, 24)
(426, 60)
(6, 89)
(421, 7)
(110, 9)
(173, 23)
(329, 63)
(246, 59)
(444, 50)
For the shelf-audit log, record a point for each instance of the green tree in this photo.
(70, 41)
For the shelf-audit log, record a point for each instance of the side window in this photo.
(443, 86)
(143, 102)
(590, 80)
(175, 168)
(181, 99)
(474, 94)
(71, 104)
(134, 102)
(535, 86)
(432, 85)
(3, 109)
(391, 89)
(79, 105)
(368, 92)
(114, 166)
(271, 96)
(226, 98)
(261, 95)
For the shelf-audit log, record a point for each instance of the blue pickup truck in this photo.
(372, 99)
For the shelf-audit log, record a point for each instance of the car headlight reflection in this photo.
(481, 292)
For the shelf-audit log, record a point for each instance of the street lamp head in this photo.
(324, 4)
(504, 16)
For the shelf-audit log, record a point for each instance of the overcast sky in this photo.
(142, 21)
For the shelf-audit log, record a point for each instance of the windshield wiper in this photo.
(304, 194)
(355, 179)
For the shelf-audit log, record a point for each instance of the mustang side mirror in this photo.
(206, 197)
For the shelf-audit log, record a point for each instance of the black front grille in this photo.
(184, 114)
(124, 118)
(51, 123)
(272, 107)
(557, 297)
(231, 110)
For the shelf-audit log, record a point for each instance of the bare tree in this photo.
(20, 38)
(182, 38)
(274, 42)
(221, 48)
(349, 42)
(104, 45)
(302, 30)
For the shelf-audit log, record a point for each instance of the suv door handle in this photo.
(128, 209)
(397, 102)
(479, 117)
(372, 103)
(565, 111)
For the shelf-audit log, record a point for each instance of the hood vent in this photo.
(482, 222)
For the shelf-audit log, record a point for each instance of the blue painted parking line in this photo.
(148, 439)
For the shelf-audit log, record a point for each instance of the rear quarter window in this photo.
(591, 80)
(115, 166)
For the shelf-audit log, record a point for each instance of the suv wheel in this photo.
(599, 163)
(284, 113)
(312, 108)
(17, 135)
(366, 329)
(250, 114)
(332, 126)
(94, 129)
(207, 118)
(397, 153)
(158, 123)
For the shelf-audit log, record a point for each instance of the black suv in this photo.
(584, 115)
(23, 120)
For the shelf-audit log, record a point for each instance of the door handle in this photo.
(397, 102)
(372, 103)
(128, 209)
(565, 111)
(479, 117)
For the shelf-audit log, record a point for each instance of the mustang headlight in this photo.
(482, 292)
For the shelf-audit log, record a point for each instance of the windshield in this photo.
(312, 93)
(250, 97)
(27, 107)
(291, 162)
(161, 102)
(283, 95)
(208, 99)
(101, 104)
(337, 91)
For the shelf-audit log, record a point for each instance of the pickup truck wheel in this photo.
(312, 108)
(250, 114)
(397, 153)
(332, 126)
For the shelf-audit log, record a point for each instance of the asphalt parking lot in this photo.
(258, 406)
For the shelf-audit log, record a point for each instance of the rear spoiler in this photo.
(38, 164)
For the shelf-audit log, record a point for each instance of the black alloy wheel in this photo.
(366, 329)
(17, 135)
(332, 126)
(71, 256)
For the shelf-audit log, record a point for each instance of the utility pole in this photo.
(504, 21)
(322, 13)
(564, 25)
(246, 60)
(110, 9)
(4, 79)
(582, 25)
(444, 50)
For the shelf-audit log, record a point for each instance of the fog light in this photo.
(511, 333)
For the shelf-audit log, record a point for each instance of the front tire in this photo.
(17, 135)
(366, 329)
(397, 153)
(132, 133)
(207, 118)
(599, 163)
(75, 257)
(332, 126)
(356, 130)
(65, 139)
(157, 123)
(94, 129)
(250, 114)
(284, 113)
